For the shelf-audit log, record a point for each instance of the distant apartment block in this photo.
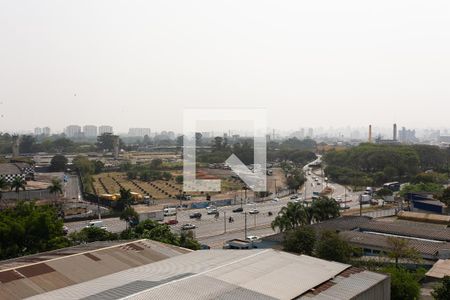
(105, 129)
(407, 135)
(141, 132)
(46, 131)
(90, 130)
(73, 131)
(37, 131)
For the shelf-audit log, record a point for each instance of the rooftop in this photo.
(31, 275)
(440, 269)
(224, 274)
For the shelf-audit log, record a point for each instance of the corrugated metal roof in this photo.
(440, 269)
(350, 287)
(225, 274)
(410, 231)
(364, 239)
(63, 271)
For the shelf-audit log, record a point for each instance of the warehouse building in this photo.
(149, 270)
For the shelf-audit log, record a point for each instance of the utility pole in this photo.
(255, 221)
(245, 227)
(360, 205)
(224, 222)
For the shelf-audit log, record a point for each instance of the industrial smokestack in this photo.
(370, 133)
(116, 145)
(394, 136)
(15, 145)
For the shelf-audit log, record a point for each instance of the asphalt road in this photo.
(215, 231)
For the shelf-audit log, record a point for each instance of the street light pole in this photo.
(245, 227)
(224, 222)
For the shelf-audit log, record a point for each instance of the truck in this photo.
(156, 215)
(365, 199)
(170, 211)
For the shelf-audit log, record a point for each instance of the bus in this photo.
(393, 186)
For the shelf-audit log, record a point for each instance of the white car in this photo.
(276, 199)
(253, 238)
(253, 211)
(188, 226)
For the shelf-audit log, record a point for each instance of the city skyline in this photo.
(306, 63)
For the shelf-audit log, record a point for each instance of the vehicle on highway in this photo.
(98, 224)
(171, 222)
(204, 247)
(253, 211)
(253, 238)
(212, 211)
(170, 211)
(238, 209)
(196, 215)
(188, 226)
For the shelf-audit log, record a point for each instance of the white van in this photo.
(98, 224)
(170, 211)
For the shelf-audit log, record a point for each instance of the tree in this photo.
(331, 247)
(18, 184)
(4, 184)
(92, 234)
(27, 229)
(130, 216)
(290, 217)
(106, 142)
(404, 285)
(445, 197)
(300, 240)
(400, 249)
(56, 188)
(324, 209)
(156, 164)
(125, 200)
(166, 176)
(442, 291)
(58, 163)
(179, 179)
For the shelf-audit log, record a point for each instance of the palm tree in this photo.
(56, 188)
(18, 184)
(4, 184)
(323, 209)
(290, 217)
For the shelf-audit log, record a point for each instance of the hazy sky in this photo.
(139, 63)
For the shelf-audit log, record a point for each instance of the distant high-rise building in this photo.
(105, 129)
(310, 133)
(37, 131)
(90, 130)
(46, 131)
(141, 132)
(407, 136)
(73, 131)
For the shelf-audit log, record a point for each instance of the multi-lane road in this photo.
(215, 231)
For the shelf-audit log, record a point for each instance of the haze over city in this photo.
(139, 64)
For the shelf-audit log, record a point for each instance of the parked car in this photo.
(276, 199)
(196, 215)
(238, 209)
(65, 229)
(171, 222)
(294, 197)
(253, 211)
(188, 226)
